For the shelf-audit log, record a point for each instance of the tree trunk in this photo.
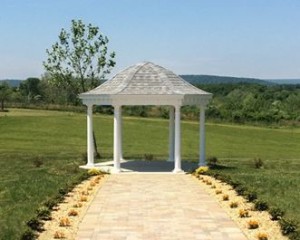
(96, 153)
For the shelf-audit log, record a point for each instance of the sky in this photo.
(241, 38)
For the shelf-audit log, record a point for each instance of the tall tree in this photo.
(79, 60)
(30, 88)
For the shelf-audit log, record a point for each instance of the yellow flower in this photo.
(202, 169)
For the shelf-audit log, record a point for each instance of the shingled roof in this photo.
(145, 79)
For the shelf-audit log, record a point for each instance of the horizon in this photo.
(270, 79)
(251, 39)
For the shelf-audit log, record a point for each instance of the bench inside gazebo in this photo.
(146, 84)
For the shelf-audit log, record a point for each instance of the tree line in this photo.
(239, 103)
(254, 102)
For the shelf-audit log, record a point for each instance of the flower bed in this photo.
(255, 224)
(67, 215)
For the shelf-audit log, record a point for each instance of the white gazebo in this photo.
(146, 84)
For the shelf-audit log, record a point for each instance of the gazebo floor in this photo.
(143, 166)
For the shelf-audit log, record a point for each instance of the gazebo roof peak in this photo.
(146, 83)
(146, 78)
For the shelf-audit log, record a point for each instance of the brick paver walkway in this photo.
(155, 207)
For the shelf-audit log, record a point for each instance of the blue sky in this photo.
(246, 38)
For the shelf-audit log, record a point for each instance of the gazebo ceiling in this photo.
(146, 84)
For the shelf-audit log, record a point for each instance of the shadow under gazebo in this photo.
(144, 166)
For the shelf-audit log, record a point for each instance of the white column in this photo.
(121, 134)
(90, 140)
(171, 134)
(202, 161)
(177, 165)
(117, 138)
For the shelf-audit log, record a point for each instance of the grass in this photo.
(58, 139)
(225, 141)
(50, 137)
(276, 183)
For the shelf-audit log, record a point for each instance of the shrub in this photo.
(29, 235)
(85, 193)
(63, 191)
(253, 224)
(250, 196)
(218, 191)
(35, 224)
(72, 213)
(233, 204)
(77, 205)
(50, 203)
(262, 236)
(94, 172)
(202, 170)
(287, 226)
(83, 198)
(240, 190)
(59, 235)
(243, 213)
(258, 163)
(64, 222)
(59, 198)
(225, 197)
(225, 178)
(276, 213)
(43, 213)
(261, 206)
(98, 177)
(235, 184)
(209, 183)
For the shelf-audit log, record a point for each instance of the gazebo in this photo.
(146, 84)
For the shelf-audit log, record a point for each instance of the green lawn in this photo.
(59, 140)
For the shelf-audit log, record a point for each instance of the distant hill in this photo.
(203, 79)
(12, 82)
(284, 81)
(210, 79)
